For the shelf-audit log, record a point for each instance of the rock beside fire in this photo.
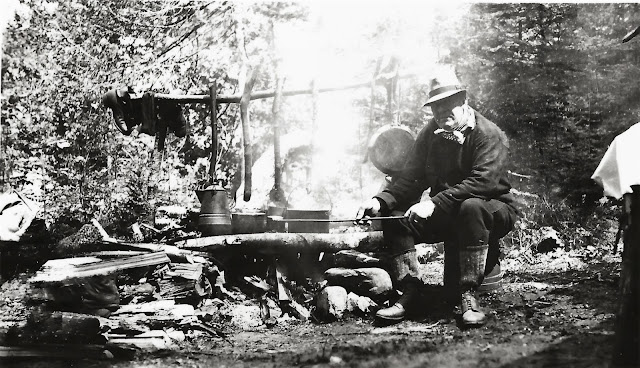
(549, 240)
(331, 303)
(352, 259)
(360, 304)
(372, 282)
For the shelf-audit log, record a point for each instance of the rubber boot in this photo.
(451, 274)
(473, 261)
(405, 272)
(492, 281)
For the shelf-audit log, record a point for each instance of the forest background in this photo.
(555, 77)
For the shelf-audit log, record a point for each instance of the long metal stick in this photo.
(341, 220)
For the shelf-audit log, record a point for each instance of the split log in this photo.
(103, 254)
(275, 243)
(184, 280)
(148, 341)
(57, 327)
(159, 308)
(56, 351)
(59, 270)
(174, 253)
(283, 293)
(295, 309)
(146, 308)
(351, 259)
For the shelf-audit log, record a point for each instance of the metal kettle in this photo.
(215, 216)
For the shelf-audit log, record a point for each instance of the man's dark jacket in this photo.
(454, 172)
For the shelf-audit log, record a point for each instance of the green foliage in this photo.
(578, 229)
(555, 77)
(59, 57)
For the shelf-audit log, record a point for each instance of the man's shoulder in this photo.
(487, 127)
(484, 123)
(428, 129)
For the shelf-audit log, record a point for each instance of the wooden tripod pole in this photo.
(214, 133)
(277, 101)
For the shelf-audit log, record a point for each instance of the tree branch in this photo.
(179, 41)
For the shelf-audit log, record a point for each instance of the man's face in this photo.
(448, 110)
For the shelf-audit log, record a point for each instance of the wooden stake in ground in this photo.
(277, 197)
(626, 353)
(246, 132)
(214, 132)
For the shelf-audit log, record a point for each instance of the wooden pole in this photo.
(277, 160)
(372, 115)
(627, 342)
(214, 132)
(276, 195)
(278, 243)
(246, 130)
(2, 158)
(314, 131)
(258, 95)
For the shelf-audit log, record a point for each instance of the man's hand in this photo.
(370, 208)
(14, 221)
(420, 211)
(16, 214)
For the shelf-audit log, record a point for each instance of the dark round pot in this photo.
(214, 224)
(307, 227)
(389, 147)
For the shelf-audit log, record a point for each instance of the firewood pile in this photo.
(105, 297)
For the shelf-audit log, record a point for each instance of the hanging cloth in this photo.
(619, 170)
(148, 110)
(170, 112)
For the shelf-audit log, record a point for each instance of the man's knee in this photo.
(475, 221)
(472, 208)
(395, 226)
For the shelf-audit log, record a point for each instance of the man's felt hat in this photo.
(445, 83)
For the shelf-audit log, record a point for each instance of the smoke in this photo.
(339, 45)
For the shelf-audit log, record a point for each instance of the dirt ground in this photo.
(556, 310)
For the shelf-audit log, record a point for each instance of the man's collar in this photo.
(461, 129)
(471, 124)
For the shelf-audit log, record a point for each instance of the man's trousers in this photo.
(471, 237)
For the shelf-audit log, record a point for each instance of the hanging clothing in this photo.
(618, 170)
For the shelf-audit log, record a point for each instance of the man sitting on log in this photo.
(459, 159)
